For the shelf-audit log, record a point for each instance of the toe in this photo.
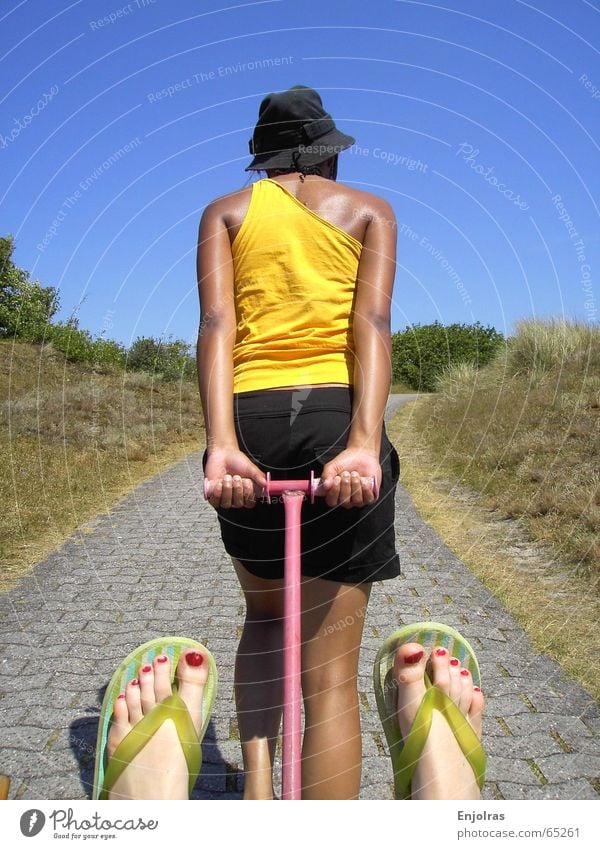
(409, 663)
(120, 711)
(162, 677)
(409, 673)
(475, 714)
(146, 679)
(192, 674)
(456, 682)
(134, 701)
(440, 669)
(120, 725)
(466, 692)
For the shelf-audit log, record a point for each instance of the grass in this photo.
(504, 463)
(73, 440)
(525, 432)
(401, 388)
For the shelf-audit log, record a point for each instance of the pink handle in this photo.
(314, 486)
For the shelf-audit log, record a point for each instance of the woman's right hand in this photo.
(236, 480)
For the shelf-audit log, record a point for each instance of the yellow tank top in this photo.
(295, 278)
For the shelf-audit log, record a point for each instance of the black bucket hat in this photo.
(294, 131)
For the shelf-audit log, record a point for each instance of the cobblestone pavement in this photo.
(154, 565)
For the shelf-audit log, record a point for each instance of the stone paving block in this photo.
(576, 789)
(24, 738)
(20, 763)
(561, 767)
(36, 788)
(510, 769)
(532, 746)
(73, 682)
(14, 684)
(13, 666)
(376, 791)
(506, 706)
(569, 728)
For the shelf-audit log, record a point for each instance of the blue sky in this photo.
(478, 121)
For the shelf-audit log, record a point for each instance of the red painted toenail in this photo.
(162, 659)
(146, 668)
(440, 652)
(121, 696)
(414, 658)
(477, 689)
(135, 683)
(454, 662)
(464, 672)
(194, 658)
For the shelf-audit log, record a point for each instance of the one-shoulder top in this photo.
(294, 285)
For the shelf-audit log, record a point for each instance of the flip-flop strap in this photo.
(173, 708)
(416, 738)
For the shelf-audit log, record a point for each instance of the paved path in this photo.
(154, 565)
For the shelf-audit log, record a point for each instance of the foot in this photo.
(159, 770)
(443, 771)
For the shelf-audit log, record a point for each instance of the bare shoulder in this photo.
(370, 207)
(375, 205)
(224, 205)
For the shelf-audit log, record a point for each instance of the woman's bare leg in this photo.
(259, 680)
(332, 625)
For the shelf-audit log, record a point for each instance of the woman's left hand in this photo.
(347, 478)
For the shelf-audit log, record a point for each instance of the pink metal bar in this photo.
(292, 692)
(277, 487)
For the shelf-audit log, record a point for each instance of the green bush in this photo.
(77, 345)
(171, 360)
(420, 353)
(107, 353)
(26, 307)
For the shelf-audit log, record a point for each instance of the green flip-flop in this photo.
(173, 708)
(405, 753)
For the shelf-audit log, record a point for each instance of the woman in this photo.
(295, 279)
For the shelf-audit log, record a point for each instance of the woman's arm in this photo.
(230, 469)
(371, 329)
(372, 364)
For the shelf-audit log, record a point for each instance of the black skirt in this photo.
(289, 433)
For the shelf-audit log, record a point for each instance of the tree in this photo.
(26, 307)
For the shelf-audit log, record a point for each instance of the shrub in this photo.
(77, 345)
(26, 307)
(107, 353)
(421, 352)
(170, 359)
